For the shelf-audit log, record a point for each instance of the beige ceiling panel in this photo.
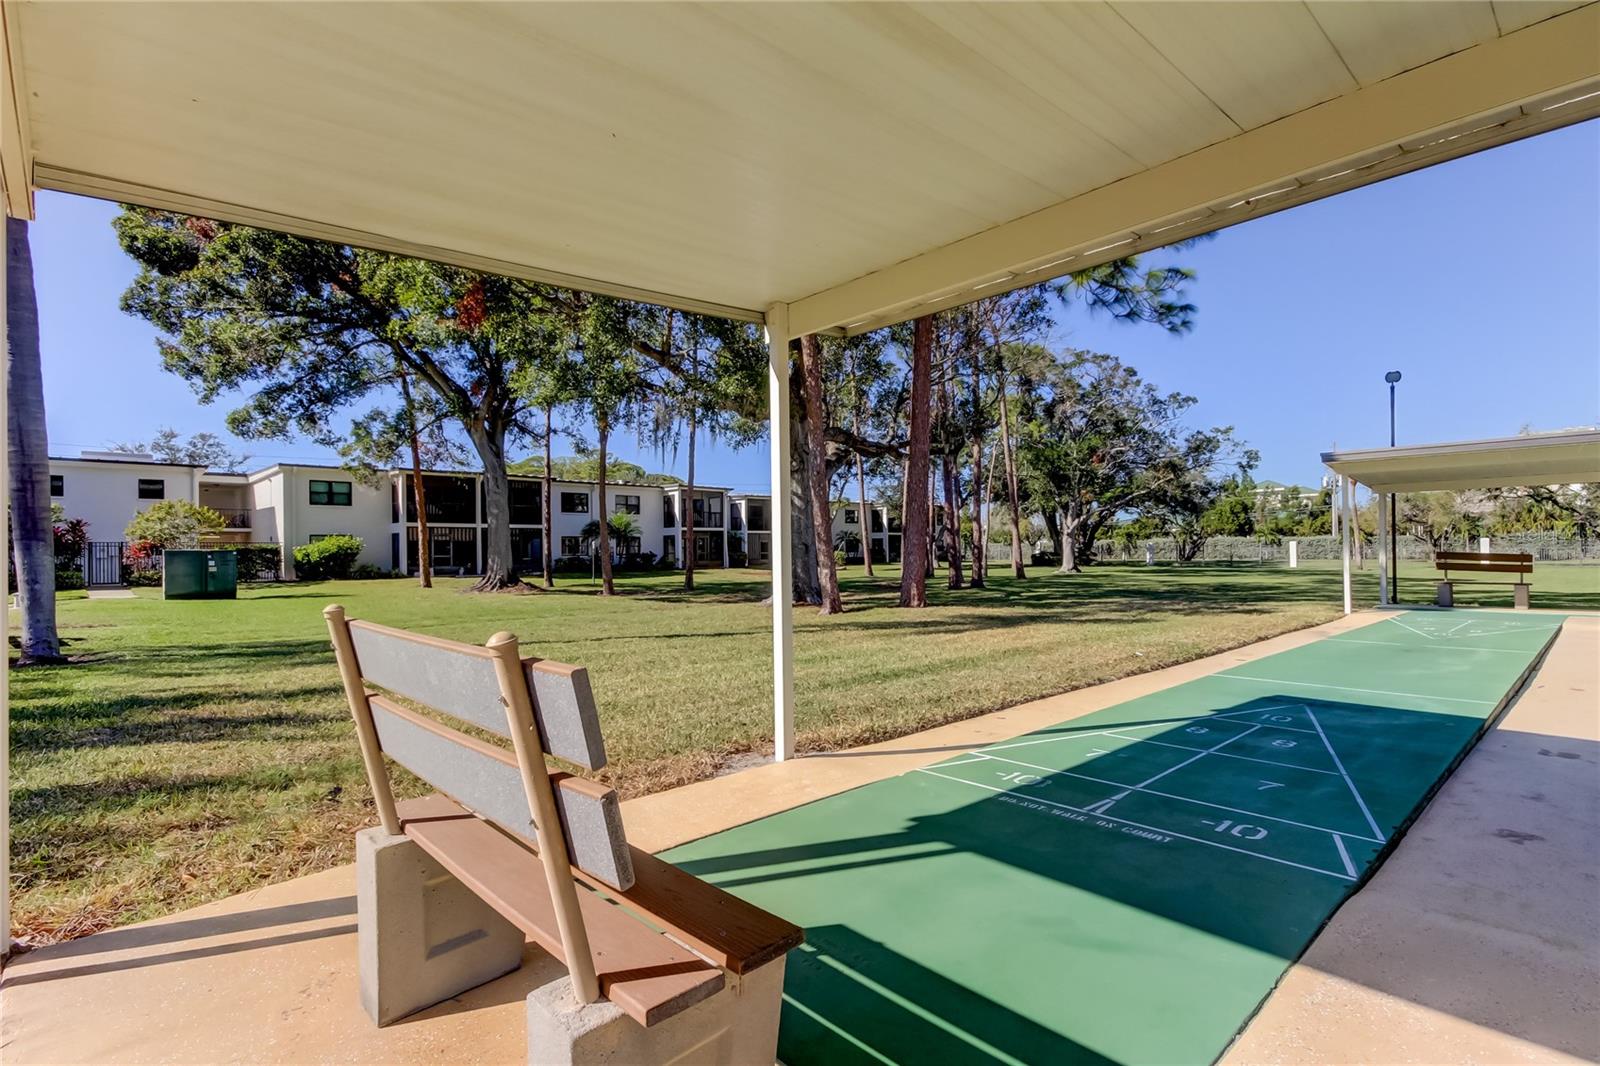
(1093, 72)
(1512, 15)
(1378, 40)
(1257, 61)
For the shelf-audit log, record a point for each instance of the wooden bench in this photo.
(1479, 563)
(450, 884)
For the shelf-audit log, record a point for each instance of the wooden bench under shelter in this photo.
(656, 962)
(1475, 564)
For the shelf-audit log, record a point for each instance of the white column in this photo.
(782, 510)
(1383, 549)
(1344, 535)
(1294, 554)
(724, 530)
(5, 622)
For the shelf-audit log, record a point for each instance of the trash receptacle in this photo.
(199, 574)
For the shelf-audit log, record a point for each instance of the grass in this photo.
(203, 748)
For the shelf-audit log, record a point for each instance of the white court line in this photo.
(1442, 647)
(963, 762)
(1351, 784)
(1350, 867)
(1143, 725)
(1231, 755)
(836, 1030)
(1347, 688)
(1139, 825)
(1413, 629)
(1460, 627)
(1144, 786)
(1264, 710)
(1184, 799)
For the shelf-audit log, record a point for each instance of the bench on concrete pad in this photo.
(1475, 564)
(450, 887)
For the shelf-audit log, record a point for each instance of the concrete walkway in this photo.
(1477, 941)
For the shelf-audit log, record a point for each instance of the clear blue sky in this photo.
(1479, 279)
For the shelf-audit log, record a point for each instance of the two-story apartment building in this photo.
(295, 504)
(751, 523)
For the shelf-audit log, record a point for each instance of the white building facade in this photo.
(291, 505)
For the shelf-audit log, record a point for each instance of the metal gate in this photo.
(104, 566)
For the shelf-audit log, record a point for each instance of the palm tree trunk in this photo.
(546, 507)
(29, 457)
(424, 544)
(1013, 496)
(914, 523)
(816, 471)
(604, 534)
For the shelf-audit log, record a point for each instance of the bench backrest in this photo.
(1484, 562)
(481, 686)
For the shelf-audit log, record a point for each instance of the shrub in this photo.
(174, 524)
(144, 578)
(72, 540)
(328, 559)
(838, 557)
(66, 580)
(259, 562)
(368, 572)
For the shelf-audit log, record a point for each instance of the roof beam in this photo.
(1502, 90)
(16, 143)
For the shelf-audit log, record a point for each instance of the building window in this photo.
(764, 549)
(152, 488)
(574, 503)
(572, 545)
(669, 547)
(669, 513)
(628, 504)
(58, 485)
(525, 503)
(851, 517)
(331, 493)
(758, 517)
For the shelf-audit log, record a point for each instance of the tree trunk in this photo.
(979, 562)
(1052, 526)
(1013, 495)
(816, 472)
(952, 522)
(807, 587)
(688, 516)
(490, 443)
(866, 518)
(1072, 529)
(546, 506)
(418, 492)
(28, 454)
(607, 588)
(914, 523)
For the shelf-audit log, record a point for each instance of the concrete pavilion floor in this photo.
(1477, 941)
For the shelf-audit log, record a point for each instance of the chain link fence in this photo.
(1544, 547)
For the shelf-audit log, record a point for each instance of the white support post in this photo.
(5, 618)
(1344, 535)
(1384, 561)
(782, 514)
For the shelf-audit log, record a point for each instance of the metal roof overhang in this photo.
(860, 163)
(1566, 458)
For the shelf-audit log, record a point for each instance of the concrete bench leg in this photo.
(736, 1027)
(422, 936)
(1445, 595)
(1519, 596)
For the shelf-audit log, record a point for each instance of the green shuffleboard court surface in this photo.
(1126, 887)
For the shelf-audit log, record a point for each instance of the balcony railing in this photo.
(708, 519)
(235, 519)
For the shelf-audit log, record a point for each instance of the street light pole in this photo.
(1392, 377)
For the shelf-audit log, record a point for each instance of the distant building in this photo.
(291, 504)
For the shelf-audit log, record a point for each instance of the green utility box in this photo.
(199, 575)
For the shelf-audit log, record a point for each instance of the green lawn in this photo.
(202, 748)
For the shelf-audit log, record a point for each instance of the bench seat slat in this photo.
(646, 974)
(731, 932)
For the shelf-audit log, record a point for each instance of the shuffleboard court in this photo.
(1128, 886)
